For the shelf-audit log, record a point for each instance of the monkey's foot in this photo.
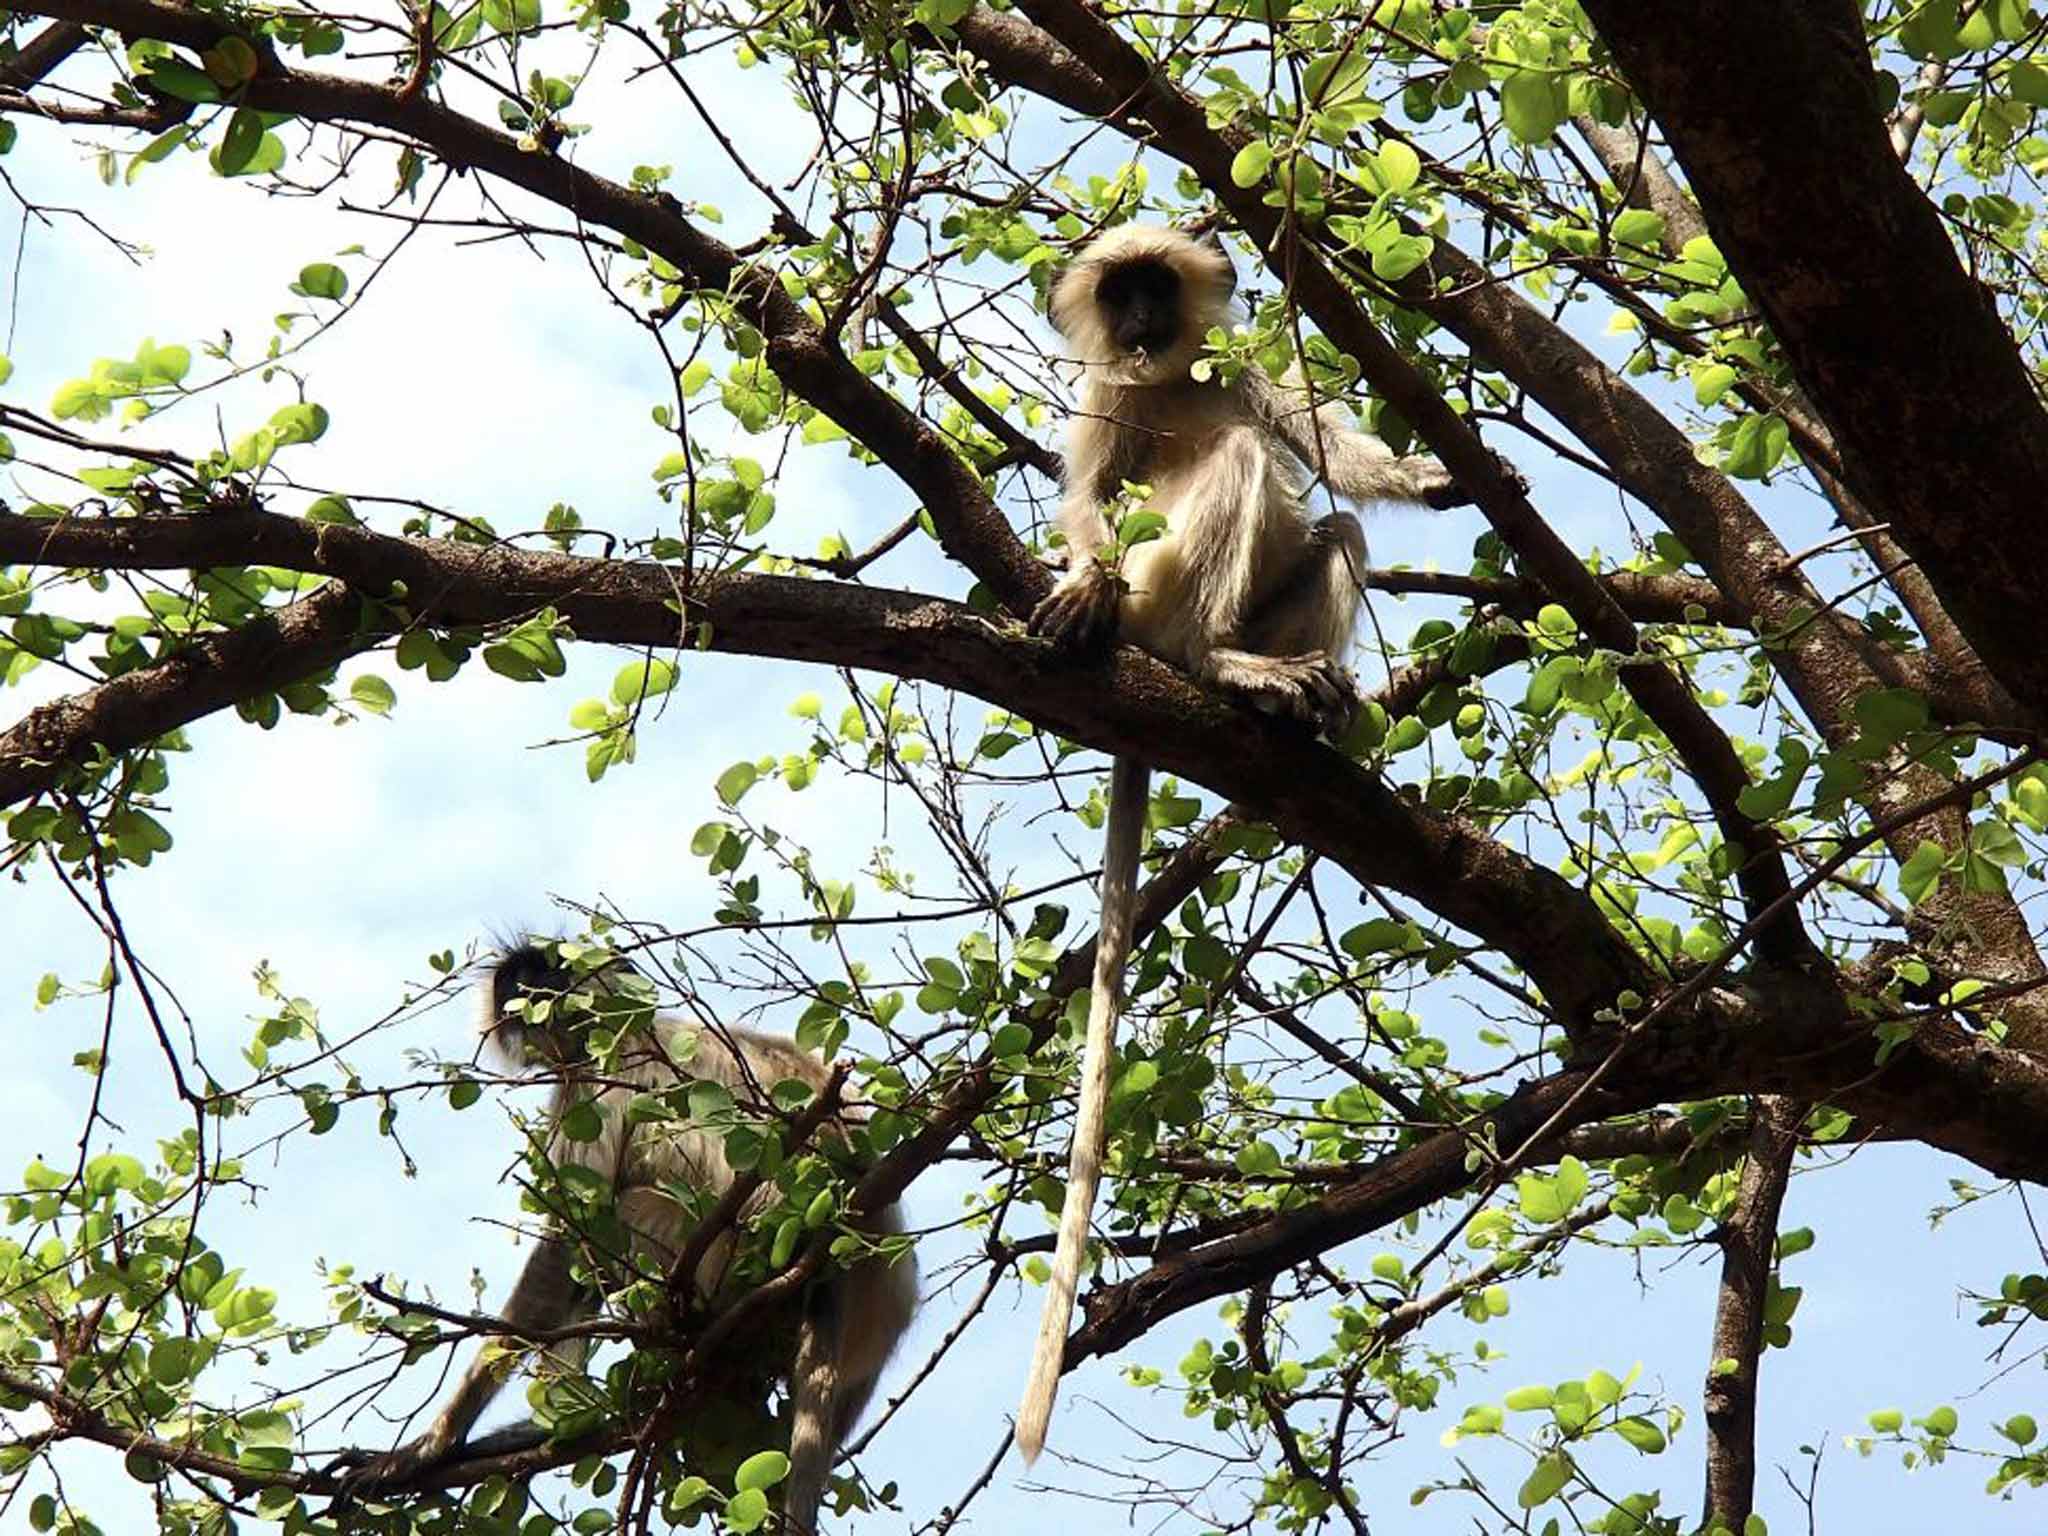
(1310, 687)
(1452, 494)
(1079, 613)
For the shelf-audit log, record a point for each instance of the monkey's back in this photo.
(647, 1158)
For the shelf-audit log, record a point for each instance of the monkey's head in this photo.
(1137, 303)
(542, 998)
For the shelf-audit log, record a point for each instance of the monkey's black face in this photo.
(1141, 302)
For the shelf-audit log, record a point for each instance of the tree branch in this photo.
(1747, 1241)
(1182, 125)
(1131, 703)
(1952, 464)
(972, 529)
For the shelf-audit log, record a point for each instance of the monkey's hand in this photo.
(365, 1471)
(1079, 613)
(1455, 495)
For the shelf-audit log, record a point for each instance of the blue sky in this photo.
(494, 382)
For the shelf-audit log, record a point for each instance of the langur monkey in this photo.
(1242, 590)
(852, 1318)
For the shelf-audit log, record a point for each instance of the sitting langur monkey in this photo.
(851, 1320)
(1242, 590)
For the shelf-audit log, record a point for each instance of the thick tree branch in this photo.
(1640, 176)
(41, 54)
(1953, 671)
(206, 674)
(1131, 704)
(1954, 463)
(1783, 1032)
(1645, 599)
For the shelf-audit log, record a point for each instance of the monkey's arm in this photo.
(1080, 611)
(1354, 464)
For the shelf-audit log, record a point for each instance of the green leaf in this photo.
(1642, 1434)
(1773, 797)
(1996, 841)
(172, 1361)
(1249, 165)
(2019, 1429)
(1532, 104)
(1548, 1198)
(1759, 443)
(1335, 78)
(157, 149)
(1400, 167)
(333, 509)
(373, 693)
(736, 781)
(1546, 1481)
(232, 157)
(1639, 226)
(1711, 381)
(1944, 109)
(1887, 715)
(764, 1469)
(639, 680)
(511, 15)
(1396, 255)
(231, 62)
(1942, 1421)
(301, 423)
(1376, 935)
(2028, 82)
(1917, 876)
(1528, 1399)
(1259, 1158)
(1140, 528)
(322, 280)
(176, 78)
(746, 1511)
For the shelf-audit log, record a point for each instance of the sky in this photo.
(495, 379)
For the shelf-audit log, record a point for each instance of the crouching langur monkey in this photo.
(1242, 589)
(537, 1012)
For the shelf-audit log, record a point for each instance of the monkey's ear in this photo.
(1055, 274)
(1214, 240)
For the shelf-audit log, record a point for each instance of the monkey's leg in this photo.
(1316, 607)
(1312, 688)
(544, 1297)
(1295, 635)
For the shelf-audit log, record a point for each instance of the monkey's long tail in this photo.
(814, 1383)
(1129, 790)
